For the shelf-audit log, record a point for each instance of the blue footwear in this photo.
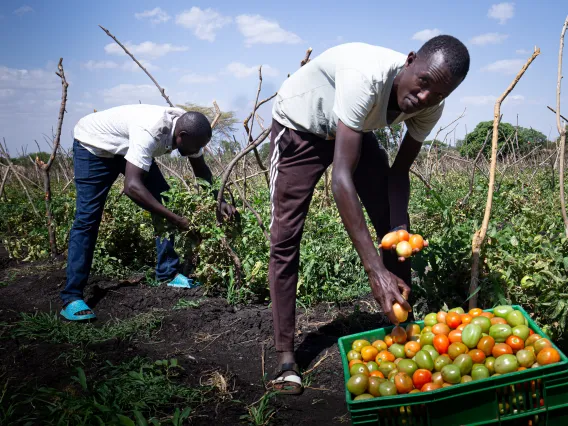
(77, 306)
(183, 282)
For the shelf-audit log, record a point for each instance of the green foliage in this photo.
(389, 137)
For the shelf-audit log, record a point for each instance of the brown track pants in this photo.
(297, 162)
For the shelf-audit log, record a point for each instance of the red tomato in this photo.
(515, 342)
(501, 349)
(441, 343)
(453, 319)
(421, 377)
(430, 387)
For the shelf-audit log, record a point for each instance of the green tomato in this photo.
(363, 396)
(386, 367)
(502, 311)
(464, 363)
(490, 364)
(424, 360)
(459, 310)
(483, 322)
(521, 331)
(500, 332)
(515, 318)
(372, 366)
(407, 366)
(526, 358)
(431, 319)
(357, 384)
(351, 355)
(480, 373)
(387, 388)
(427, 338)
(466, 379)
(506, 364)
(433, 352)
(471, 335)
(397, 350)
(451, 374)
(358, 369)
(441, 362)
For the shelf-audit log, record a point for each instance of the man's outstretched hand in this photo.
(229, 211)
(389, 289)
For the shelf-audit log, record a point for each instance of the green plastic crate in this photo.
(503, 400)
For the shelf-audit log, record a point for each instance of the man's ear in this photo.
(411, 58)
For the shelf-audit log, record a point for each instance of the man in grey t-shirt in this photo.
(326, 112)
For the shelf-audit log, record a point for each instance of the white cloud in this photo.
(98, 65)
(203, 23)
(23, 10)
(505, 66)
(522, 52)
(35, 79)
(481, 100)
(426, 34)
(258, 30)
(502, 12)
(489, 38)
(146, 49)
(240, 70)
(81, 106)
(132, 94)
(155, 16)
(193, 78)
(132, 66)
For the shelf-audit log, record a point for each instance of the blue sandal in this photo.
(182, 281)
(77, 306)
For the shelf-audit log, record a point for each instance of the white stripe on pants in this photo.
(274, 161)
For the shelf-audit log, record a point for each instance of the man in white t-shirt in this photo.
(325, 112)
(126, 139)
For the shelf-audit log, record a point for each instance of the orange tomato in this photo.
(498, 320)
(441, 343)
(547, 356)
(412, 330)
(400, 314)
(388, 340)
(380, 345)
(486, 344)
(354, 361)
(453, 319)
(403, 383)
(421, 377)
(416, 242)
(369, 353)
(402, 235)
(441, 317)
(521, 368)
(430, 387)
(488, 314)
(475, 312)
(501, 349)
(389, 240)
(466, 318)
(377, 373)
(441, 329)
(515, 342)
(410, 348)
(398, 335)
(477, 356)
(461, 327)
(455, 336)
(384, 356)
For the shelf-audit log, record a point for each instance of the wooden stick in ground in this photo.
(472, 178)
(173, 172)
(561, 130)
(162, 91)
(4, 179)
(479, 235)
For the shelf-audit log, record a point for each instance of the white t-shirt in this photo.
(138, 132)
(352, 83)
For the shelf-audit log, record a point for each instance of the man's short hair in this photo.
(196, 125)
(455, 53)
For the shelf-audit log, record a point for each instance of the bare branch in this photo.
(173, 172)
(561, 129)
(561, 116)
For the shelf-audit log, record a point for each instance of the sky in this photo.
(201, 53)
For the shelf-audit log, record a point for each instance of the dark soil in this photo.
(211, 337)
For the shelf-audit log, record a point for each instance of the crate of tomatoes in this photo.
(455, 368)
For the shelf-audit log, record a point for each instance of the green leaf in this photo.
(514, 241)
(125, 420)
(566, 263)
(140, 419)
(82, 378)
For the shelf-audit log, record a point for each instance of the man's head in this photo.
(192, 133)
(431, 74)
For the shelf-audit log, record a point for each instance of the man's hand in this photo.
(182, 223)
(387, 289)
(229, 211)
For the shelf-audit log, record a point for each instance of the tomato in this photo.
(416, 242)
(421, 377)
(351, 355)
(464, 363)
(480, 372)
(412, 330)
(386, 367)
(369, 353)
(455, 336)
(466, 318)
(441, 362)
(490, 364)
(521, 331)
(372, 366)
(477, 355)
(515, 342)
(404, 249)
(451, 374)
(402, 235)
(403, 383)
(506, 364)
(426, 329)
(411, 349)
(456, 349)
(526, 358)
(441, 317)
(397, 350)
(384, 356)
(500, 332)
(398, 335)
(389, 240)
(359, 344)
(387, 388)
(433, 352)
(498, 320)
(357, 384)
(359, 369)
(502, 311)
(487, 315)
(453, 319)
(380, 345)
(427, 338)
(414, 391)
(424, 360)
(483, 322)
(501, 349)
(466, 379)
(441, 329)
(459, 310)
(373, 387)
(548, 356)
(441, 343)
(540, 344)
(430, 320)
(388, 340)
(354, 361)
(430, 387)
(400, 313)
(471, 335)
(475, 312)
(437, 378)
(407, 366)
(486, 344)
(515, 318)
(392, 373)
(461, 327)
(531, 339)
(363, 396)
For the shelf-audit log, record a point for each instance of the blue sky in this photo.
(200, 52)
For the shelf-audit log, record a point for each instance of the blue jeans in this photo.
(94, 177)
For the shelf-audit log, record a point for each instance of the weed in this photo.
(185, 303)
(260, 413)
